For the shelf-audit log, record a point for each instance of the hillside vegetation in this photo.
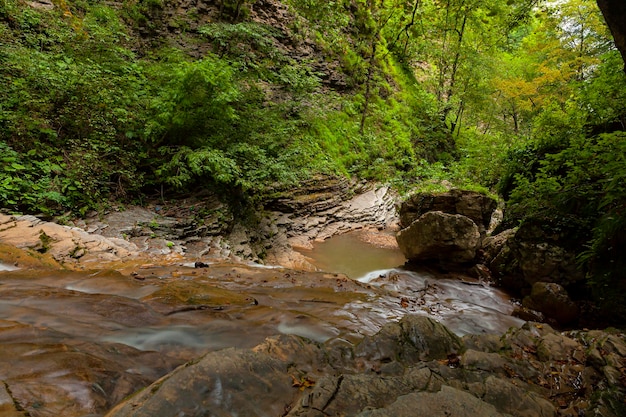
(125, 101)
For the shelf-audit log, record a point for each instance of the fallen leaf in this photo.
(302, 383)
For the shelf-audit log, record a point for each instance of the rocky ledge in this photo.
(413, 368)
(204, 229)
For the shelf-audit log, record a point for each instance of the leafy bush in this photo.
(572, 178)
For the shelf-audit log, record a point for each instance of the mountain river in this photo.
(77, 342)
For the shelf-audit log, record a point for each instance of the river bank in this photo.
(98, 312)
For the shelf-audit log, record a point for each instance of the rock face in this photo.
(446, 227)
(519, 258)
(64, 244)
(552, 300)
(206, 230)
(527, 262)
(321, 208)
(478, 207)
(412, 368)
(448, 238)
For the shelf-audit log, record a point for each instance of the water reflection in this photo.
(350, 254)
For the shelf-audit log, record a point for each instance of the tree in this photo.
(614, 12)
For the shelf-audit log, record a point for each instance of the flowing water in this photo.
(65, 335)
(465, 306)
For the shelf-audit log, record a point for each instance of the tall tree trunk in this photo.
(614, 12)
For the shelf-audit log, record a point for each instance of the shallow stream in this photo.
(462, 304)
(78, 342)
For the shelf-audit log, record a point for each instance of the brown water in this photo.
(464, 306)
(352, 254)
(74, 343)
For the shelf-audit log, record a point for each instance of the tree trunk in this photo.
(614, 12)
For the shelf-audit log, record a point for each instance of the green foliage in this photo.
(246, 44)
(69, 100)
(578, 192)
(30, 185)
(480, 157)
(195, 104)
(571, 178)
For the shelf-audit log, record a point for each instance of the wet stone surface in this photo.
(78, 342)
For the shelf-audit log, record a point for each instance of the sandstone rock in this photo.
(552, 300)
(478, 207)
(493, 245)
(511, 399)
(63, 243)
(228, 382)
(483, 361)
(556, 348)
(528, 314)
(297, 378)
(332, 207)
(446, 402)
(448, 238)
(349, 394)
(482, 342)
(414, 338)
(8, 408)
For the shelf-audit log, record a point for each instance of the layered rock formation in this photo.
(412, 368)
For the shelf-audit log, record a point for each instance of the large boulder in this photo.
(446, 402)
(448, 238)
(478, 207)
(412, 339)
(519, 258)
(552, 300)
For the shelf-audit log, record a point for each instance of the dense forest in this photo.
(125, 101)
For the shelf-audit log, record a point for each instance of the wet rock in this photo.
(72, 379)
(331, 211)
(448, 238)
(349, 394)
(8, 407)
(483, 361)
(64, 244)
(493, 245)
(556, 348)
(511, 399)
(519, 258)
(478, 207)
(414, 338)
(528, 314)
(531, 372)
(615, 344)
(552, 300)
(228, 382)
(483, 342)
(446, 402)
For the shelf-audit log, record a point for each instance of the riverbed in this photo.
(77, 342)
